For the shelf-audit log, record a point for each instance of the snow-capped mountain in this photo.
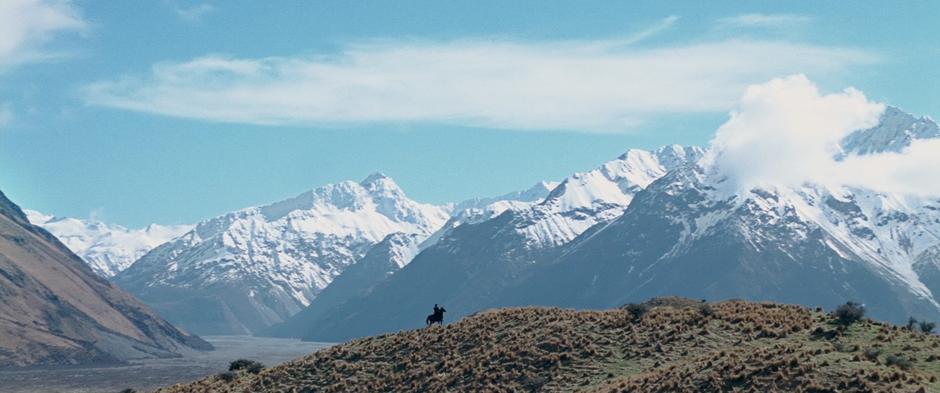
(471, 262)
(397, 250)
(107, 248)
(678, 231)
(246, 270)
(586, 199)
(384, 259)
(812, 244)
(896, 130)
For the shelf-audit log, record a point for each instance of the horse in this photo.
(436, 317)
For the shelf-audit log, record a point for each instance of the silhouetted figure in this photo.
(437, 317)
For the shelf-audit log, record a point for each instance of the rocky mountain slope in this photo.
(596, 242)
(476, 260)
(812, 245)
(106, 248)
(667, 345)
(55, 311)
(244, 271)
(396, 251)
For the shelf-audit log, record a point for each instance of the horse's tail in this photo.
(428, 320)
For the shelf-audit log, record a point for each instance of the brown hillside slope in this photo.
(54, 310)
(677, 346)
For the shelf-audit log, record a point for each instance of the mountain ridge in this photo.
(56, 311)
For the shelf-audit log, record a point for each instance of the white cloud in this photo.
(785, 132)
(600, 85)
(912, 171)
(194, 13)
(773, 21)
(25, 25)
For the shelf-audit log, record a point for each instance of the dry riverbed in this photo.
(150, 374)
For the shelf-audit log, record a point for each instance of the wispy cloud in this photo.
(599, 85)
(774, 21)
(663, 25)
(194, 13)
(25, 25)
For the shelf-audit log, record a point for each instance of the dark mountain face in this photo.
(55, 310)
(356, 281)
(460, 272)
(677, 239)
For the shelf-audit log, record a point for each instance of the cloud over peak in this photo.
(787, 132)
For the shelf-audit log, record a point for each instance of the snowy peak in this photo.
(895, 131)
(281, 254)
(587, 198)
(337, 207)
(106, 248)
(381, 183)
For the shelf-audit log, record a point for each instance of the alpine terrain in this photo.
(244, 271)
(472, 262)
(666, 222)
(107, 248)
(55, 311)
(396, 251)
(813, 245)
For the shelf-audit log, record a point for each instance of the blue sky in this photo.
(173, 111)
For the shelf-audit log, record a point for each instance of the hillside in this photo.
(678, 345)
(55, 311)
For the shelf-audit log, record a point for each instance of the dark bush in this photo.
(228, 376)
(927, 327)
(247, 365)
(128, 390)
(637, 310)
(900, 361)
(706, 310)
(849, 313)
(911, 322)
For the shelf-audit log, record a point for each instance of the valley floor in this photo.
(149, 374)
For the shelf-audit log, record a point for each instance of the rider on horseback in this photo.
(437, 317)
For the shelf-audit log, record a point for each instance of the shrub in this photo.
(228, 376)
(927, 327)
(900, 361)
(128, 390)
(849, 313)
(637, 310)
(250, 366)
(910, 323)
(706, 310)
(872, 354)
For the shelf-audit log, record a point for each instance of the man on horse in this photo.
(436, 317)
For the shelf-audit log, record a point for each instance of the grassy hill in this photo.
(665, 345)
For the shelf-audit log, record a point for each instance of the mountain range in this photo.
(472, 262)
(55, 311)
(246, 270)
(353, 259)
(107, 248)
(647, 224)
